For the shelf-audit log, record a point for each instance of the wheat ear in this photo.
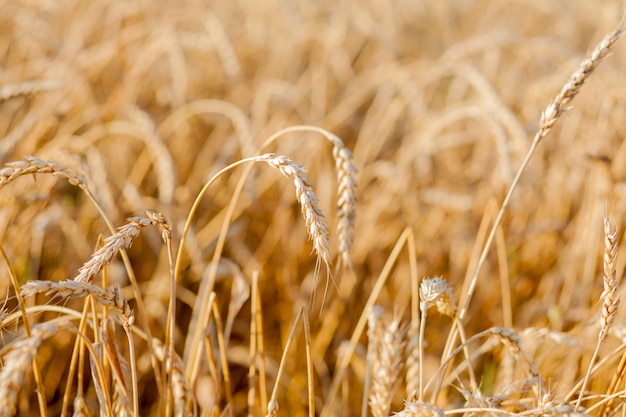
(34, 166)
(346, 196)
(18, 362)
(388, 363)
(313, 216)
(559, 105)
(346, 184)
(420, 409)
(374, 335)
(29, 88)
(609, 301)
(77, 289)
(123, 239)
(184, 401)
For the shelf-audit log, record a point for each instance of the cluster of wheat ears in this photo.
(419, 270)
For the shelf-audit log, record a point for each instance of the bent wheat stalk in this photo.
(316, 228)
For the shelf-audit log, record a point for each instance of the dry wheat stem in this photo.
(77, 289)
(548, 119)
(272, 406)
(413, 378)
(253, 353)
(166, 235)
(260, 336)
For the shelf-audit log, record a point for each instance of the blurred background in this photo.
(438, 100)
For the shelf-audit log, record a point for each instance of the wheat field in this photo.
(300, 208)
